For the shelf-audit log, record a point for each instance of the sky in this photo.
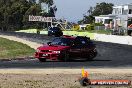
(73, 10)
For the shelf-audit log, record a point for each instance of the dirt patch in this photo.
(58, 78)
(54, 80)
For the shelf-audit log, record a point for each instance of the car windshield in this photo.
(62, 41)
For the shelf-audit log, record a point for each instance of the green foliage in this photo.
(88, 19)
(101, 31)
(49, 2)
(76, 27)
(90, 27)
(12, 49)
(102, 8)
(14, 14)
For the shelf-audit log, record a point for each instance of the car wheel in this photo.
(92, 54)
(42, 59)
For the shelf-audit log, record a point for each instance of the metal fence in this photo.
(99, 27)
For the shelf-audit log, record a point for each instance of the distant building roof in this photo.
(123, 4)
(109, 15)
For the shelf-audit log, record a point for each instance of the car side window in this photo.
(77, 41)
(66, 42)
(62, 41)
(82, 40)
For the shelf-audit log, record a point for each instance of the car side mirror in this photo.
(49, 43)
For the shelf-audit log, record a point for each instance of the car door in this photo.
(75, 50)
(86, 46)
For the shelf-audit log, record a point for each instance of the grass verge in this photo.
(100, 31)
(12, 50)
(75, 33)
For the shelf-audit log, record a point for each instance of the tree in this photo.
(14, 13)
(90, 11)
(51, 7)
(102, 9)
(87, 20)
(49, 2)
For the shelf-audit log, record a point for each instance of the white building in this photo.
(121, 16)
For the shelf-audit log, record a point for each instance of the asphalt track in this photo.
(110, 55)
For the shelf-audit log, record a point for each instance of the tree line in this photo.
(102, 8)
(14, 13)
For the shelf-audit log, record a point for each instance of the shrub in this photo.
(90, 27)
(76, 28)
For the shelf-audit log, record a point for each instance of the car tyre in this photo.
(42, 59)
(92, 54)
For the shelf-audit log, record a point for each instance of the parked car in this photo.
(66, 48)
(56, 31)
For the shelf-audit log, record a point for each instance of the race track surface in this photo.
(109, 55)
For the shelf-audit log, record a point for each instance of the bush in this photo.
(90, 27)
(76, 28)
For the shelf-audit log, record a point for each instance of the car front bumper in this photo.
(50, 56)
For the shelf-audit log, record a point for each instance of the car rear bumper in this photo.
(50, 56)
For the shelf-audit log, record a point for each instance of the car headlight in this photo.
(57, 52)
(37, 50)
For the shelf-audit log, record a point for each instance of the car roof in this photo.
(68, 36)
(73, 37)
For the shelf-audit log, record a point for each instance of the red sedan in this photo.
(67, 47)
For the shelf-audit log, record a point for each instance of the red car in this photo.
(67, 47)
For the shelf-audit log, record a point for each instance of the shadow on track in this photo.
(35, 64)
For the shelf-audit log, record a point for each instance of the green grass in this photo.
(100, 31)
(28, 31)
(75, 33)
(11, 49)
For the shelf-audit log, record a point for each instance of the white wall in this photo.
(114, 39)
(99, 19)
